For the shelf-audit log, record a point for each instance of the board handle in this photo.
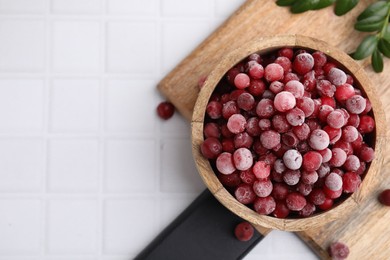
(204, 230)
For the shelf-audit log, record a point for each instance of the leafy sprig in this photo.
(374, 19)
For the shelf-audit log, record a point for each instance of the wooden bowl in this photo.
(264, 45)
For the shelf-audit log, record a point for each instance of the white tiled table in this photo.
(87, 170)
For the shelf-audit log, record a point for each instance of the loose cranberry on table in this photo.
(165, 110)
(384, 197)
(338, 251)
(244, 231)
(288, 133)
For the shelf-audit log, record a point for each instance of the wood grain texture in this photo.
(365, 229)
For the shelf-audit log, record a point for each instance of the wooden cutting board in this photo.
(366, 230)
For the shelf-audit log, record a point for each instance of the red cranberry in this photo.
(165, 110)
(307, 210)
(295, 201)
(225, 164)
(328, 203)
(317, 197)
(236, 123)
(264, 206)
(338, 251)
(366, 125)
(280, 123)
(284, 101)
(256, 87)
(351, 182)
(291, 177)
(281, 210)
(230, 180)
(384, 197)
(273, 72)
(295, 87)
(244, 231)
(312, 161)
(319, 59)
(286, 52)
(337, 76)
(245, 194)
(211, 148)
(262, 188)
(303, 63)
(247, 176)
(241, 81)
(366, 153)
(269, 139)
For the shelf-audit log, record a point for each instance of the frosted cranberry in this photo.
(264, 206)
(303, 147)
(337, 76)
(384, 197)
(286, 52)
(352, 163)
(335, 119)
(338, 251)
(357, 143)
(304, 188)
(349, 134)
(273, 72)
(243, 140)
(303, 63)
(328, 66)
(292, 159)
(333, 133)
(302, 132)
(338, 157)
(295, 87)
(353, 120)
(265, 108)
(235, 94)
(225, 164)
(295, 117)
(269, 158)
(247, 176)
(355, 104)
(264, 124)
(255, 70)
(211, 130)
(276, 87)
(230, 108)
(295, 201)
(252, 126)
(255, 57)
(366, 154)
(350, 79)
(262, 188)
(211, 148)
(244, 231)
(230, 180)
(319, 73)
(268, 94)
(306, 105)
(256, 87)
(236, 123)
(331, 194)
(323, 170)
(317, 104)
(312, 161)
(261, 169)
(368, 107)
(344, 92)
(165, 110)
(324, 111)
(290, 139)
(276, 177)
(319, 59)
(244, 193)
(281, 210)
(246, 101)
(269, 139)
(330, 101)
(319, 139)
(291, 177)
(284, 62)
(338, 171)
(317, 196)
(326, 88)
(361, 169)
(284, 101)
(290, 76)
(366, 125)
(231, 75)
(279, 166)
(241, 81)
(326, 155)
(226, 132)
(243, 159)
(280, 123)
(333, 181)
(258, 148)
(309, 177)
(228, 145)
(307, 210)
(351, 182)
(280, 191)
(309, 81)
(328, 204)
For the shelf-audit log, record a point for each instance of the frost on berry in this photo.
(292, 159)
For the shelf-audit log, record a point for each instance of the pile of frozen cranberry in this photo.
(288, 133)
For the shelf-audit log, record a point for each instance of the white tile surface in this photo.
(77, 6)
(186, 8)
(22, 6)
(135, 8)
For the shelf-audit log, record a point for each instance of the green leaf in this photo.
(303, 6)
(285, 2)
(386, 34)
(344, 6)
(379, 8)
(323, 3)
(370, 24)
(377, 61)
(366, 47)
(384, 47)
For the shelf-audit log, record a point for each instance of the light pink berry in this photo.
(243, 159)
(292, 159)
(225, 164)
(284, 101)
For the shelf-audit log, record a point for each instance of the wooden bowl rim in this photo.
(265, 44)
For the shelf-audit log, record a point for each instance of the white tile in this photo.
(144, 7)
(224, 10)
(130, 166)
(76, 46)
(171, 208)
(21, 105)
(71, 258)
(131, 106)
(73, 165)
(74, 105)
(178, 172)
(186, 8)
(72, 226)
(128, 225)
(20, 227)
(177, 125)
(22, 47)
(129, 48)
(22, 6)
(77, 6)
(21, 165)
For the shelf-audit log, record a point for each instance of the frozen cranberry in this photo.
(303, 63)
(230, 108)
(355, 104)
(344, 92)
(303, 147)
(326, 88)
(353, 120)
(284, 101)
(368, 107)
(279, 166)
(225, 164)
(317, 196)
(211, 148)
(236, 123)
(323, 170)
(304, 188)
(328, 66)
(261, 169)
(262, 188)
(245, 194)
(366, 125)
(328, 203)
(292, 159)
(357, 144)
(351, 182)
(276, 177)
(309, 177)
(243, 140)
(258, 148)
(286, 52)
(264, 124)
(333, 181)
(330, 101)
(241, 81)
(256, 87)
(230, 180)
(255, 57)
(246, 101)
(226, 132)
(333, 133)
(352, 163)
(268, 94)
(306, 105)
(264, 206)
(366, 154)
(349, 134)
(165, 110)
(255, 70)
(214, 109)
(312, 161)
(295, 87)
(319, 139)
(285, 63)
(269, 139)
(235, 94)
(273, 72)
(338, 157)
(243, 159)
(295, 117)
(276, 87)
(338, 251)
(309, 81)
(290, 76)
(361, 169)
(317, 104)
(384, 197)
(247, 176)
(228, 145)
(324, 111)
(281, 210)
(265, 108)
(295, 201)
(307, 210)
(302, 132)
(244, 231)
(211, 130)
(337, 76)
(280, 123)
(335, 119)
(280, 191)
(231, 75)
(252, 126)
(319, 59)
(331, 193)
(290, 139)
(291, 177)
